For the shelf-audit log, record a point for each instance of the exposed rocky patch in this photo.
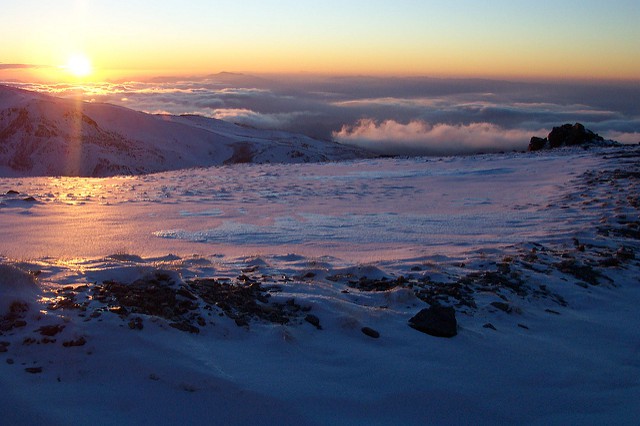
(182, 304)
(15, 318)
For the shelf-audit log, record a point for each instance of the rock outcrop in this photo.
(568, 135)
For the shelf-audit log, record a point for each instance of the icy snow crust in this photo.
(537, 253)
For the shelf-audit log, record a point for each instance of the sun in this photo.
(79, 65)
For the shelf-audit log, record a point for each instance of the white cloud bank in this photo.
(421, 138)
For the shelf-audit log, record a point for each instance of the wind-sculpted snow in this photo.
(42, 135)
(290, 294)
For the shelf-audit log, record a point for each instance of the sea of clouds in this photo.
(405, 116)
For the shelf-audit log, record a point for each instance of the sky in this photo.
(399, 77)
(584, 39)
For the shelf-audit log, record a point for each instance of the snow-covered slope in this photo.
(44, 135)
(281, 294)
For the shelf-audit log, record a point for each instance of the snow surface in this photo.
(553, 236)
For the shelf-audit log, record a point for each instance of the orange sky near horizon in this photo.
(503, 39)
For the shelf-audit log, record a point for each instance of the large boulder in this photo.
(439, 321)
(568, 135)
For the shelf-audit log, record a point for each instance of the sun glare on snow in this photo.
(79, 66)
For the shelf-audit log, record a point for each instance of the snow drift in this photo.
(16, 285)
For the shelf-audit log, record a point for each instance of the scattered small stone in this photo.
(551, 311)
(12, 192)
(523, 326)
(29, 199)
(436, 321)
(33, 370)
(416, 269)
(154, 377)
(78, 342)
(10, 361)
(136, 323)
(489, 326)
(313, 320)
(370, 332)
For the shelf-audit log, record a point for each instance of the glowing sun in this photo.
(79, 65)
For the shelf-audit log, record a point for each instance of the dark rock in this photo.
(370, 332)
(136, 323)
(12, 192)
(50, 330)
(313, 320)
(571, 135)
(436, 321)
(625, 253)
(78, 342)
(536, 143)
(523, 326)
(19, 323)
(489, 326)
(551, 311)
(567, 135)
(33, 370)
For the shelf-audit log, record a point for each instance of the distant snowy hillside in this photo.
(45, 135)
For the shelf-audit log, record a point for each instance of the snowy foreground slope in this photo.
(281, 294)
(41, 135)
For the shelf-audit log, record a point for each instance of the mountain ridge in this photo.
(43, 135)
